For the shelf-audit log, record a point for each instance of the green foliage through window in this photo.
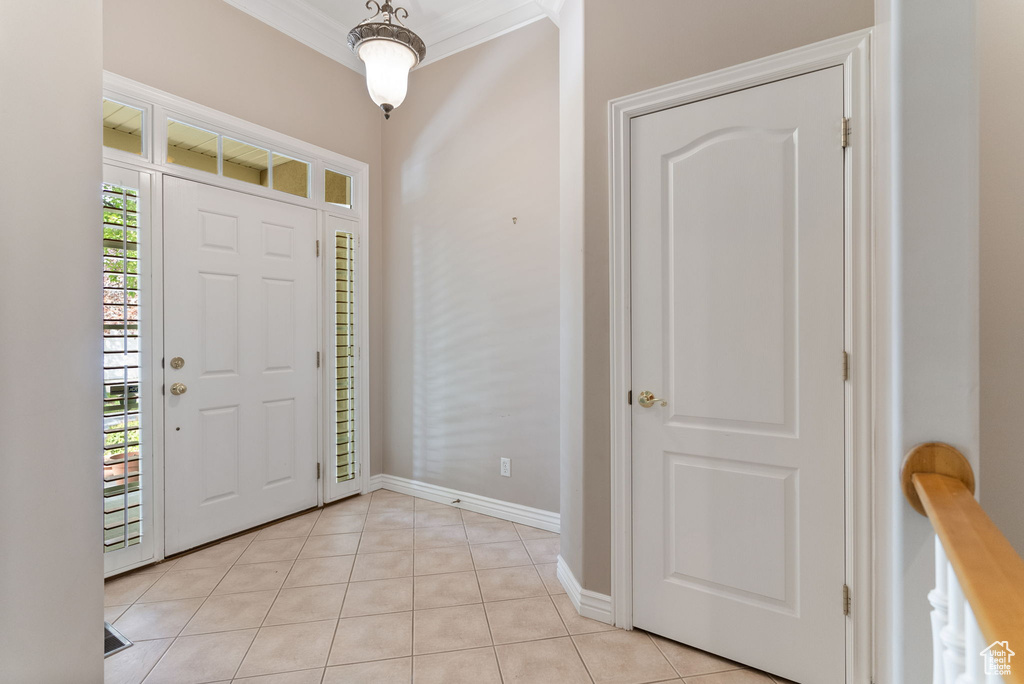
(122, 448)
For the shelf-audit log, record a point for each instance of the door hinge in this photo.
(629, 397)
(318, 471)
(318, 359)
(318, 244)
(846, 132)
(846, 366)
(846, 599)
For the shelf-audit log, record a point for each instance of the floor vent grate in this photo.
(113, 641)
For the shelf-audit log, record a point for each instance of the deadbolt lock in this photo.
(178, 388)
(177, 362)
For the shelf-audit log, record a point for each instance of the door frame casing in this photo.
(156, 106)
(850, 51)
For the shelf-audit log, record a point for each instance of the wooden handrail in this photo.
(989, 570)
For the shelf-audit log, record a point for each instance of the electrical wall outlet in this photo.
(506, 467)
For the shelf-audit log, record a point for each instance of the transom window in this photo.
(204, 150)
(126, 128)
(122, 127)
(337, 188)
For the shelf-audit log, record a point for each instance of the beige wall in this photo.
(1002, 264)
(679, 39)
(471, 299)
(570, 262)
(239, 65)
(51, 517)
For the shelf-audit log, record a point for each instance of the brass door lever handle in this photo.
(647, 399)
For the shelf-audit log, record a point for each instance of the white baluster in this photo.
(975, 666)
(940, 611)
(953, 633)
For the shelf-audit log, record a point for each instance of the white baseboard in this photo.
(524, 515)
(376, 482)
(588, 603)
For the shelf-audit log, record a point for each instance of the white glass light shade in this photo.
(387, 70)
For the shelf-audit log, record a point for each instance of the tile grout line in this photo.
(660, 652)
(334, 637)
(272, 674)
(412, 616)
(670, 663)
(699, 674)
(176, 637)
(483, 605)
(568, 632)
(582, 660)
(257, 634)
(476, 573)
(337, 623)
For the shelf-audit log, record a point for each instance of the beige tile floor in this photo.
(377, 589)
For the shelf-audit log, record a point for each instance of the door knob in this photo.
(177, 363)
(646, 399)
(178, 388)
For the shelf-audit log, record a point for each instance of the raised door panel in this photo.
(279, 302)
(218, 453)
(218, 329)
(730, 278)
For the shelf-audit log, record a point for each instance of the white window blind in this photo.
(122, 495)
(344, 319)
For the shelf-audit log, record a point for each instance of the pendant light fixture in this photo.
(389, 50)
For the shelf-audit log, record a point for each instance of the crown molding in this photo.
(552, 8)
(467, 27)
(470, 27)
(306, 24)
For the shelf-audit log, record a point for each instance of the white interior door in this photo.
(737, 227)
(240, 307)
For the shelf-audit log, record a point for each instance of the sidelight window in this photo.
(122, 447)
(345, 358)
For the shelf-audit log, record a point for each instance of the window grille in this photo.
(122, 495)
(345, 361)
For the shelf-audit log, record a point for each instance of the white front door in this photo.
(737, 224)
(240, 307)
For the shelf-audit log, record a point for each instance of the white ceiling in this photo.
(446, 26)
